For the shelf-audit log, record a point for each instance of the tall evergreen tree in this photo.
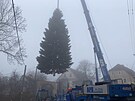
(55, 55)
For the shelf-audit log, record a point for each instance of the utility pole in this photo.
(36, 74)
(21, 99)
(35, 82)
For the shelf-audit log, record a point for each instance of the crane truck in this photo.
(106, 90)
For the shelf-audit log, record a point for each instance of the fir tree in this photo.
(55, 55)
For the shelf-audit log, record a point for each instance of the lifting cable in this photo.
(108, 60)
(17, 32)
(130, 7)
(106, 55)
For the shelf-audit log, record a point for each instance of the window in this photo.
(119, 72)
(124, 80)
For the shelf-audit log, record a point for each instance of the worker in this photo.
(69, 95)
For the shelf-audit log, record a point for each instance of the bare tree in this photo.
(87, 68)
(39, 76)
(14, 86)
(8, 37)
(4, 88)
(31, 85)
(11, 86)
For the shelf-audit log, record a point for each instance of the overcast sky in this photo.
(110, 19)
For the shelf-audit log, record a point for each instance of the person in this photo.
(55, 98)
(69, 96)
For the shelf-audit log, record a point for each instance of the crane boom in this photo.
(97, 48)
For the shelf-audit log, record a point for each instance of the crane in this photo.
(97, 48)
(101, 91)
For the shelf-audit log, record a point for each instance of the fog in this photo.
(111, 21)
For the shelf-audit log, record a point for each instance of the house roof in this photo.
(50, 77)
(119, 67)
(78, 75)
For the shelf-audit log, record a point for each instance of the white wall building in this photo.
(70, 79)
(122, 75)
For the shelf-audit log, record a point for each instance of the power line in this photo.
(130, 26)
(130, 8)
(133, 25)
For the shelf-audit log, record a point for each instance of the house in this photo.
(48, 85)
(122, 75)
(70, 79)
